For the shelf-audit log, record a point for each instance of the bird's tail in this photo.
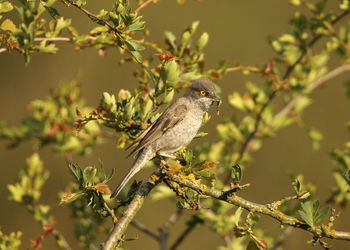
(140, 161)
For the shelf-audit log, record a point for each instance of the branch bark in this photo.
(122, 224)
(262, 209)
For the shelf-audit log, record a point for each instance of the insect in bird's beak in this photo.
(217, 101)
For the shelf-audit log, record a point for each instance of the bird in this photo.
(174, 129)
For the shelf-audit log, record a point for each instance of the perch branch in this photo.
(262, 209)
(122, 224)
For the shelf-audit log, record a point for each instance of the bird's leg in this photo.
(164, 157)
(168, 156)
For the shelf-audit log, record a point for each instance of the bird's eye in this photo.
(202, 93)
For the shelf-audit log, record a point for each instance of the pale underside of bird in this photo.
(174, 129)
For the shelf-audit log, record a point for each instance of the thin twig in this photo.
(93, 17)
(173, 218)
(144, 229)
(182, 236)
(262, 209)
(51, 39)
(143, 5)
(136, 203)
(323, 79)
(279, 242)
(164, 231)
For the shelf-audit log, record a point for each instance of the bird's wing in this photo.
(171, 116)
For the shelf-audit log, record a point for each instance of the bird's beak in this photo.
(215, 98)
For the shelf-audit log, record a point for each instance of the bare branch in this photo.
(262, 209)
(143, 5)
(164, 231)
(122, 224)
(144, 229)
(334, 73)
(182, 236)
(173, 218)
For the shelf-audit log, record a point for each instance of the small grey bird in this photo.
(174, 129)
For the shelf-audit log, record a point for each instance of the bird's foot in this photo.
(165, 156)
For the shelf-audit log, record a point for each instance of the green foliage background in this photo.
(238, 31)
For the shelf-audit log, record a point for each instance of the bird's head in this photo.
(203, 91)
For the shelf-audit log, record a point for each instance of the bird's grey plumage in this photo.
(174, 129)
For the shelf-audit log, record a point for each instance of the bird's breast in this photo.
(182, 133)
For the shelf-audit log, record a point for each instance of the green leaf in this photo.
(52, 11)
(8, 25)
(77, 172)
(5, 7)
(307, 213)
(89, 175)
(171, 39)
(170, 73)
(51, 48)
(138, 25)
(80, 3)
(347, 176)
(169, 97)
(235, 100)
(70, 197)
(347, 86)
(252, 245)
(315, 136)
(188, 156)
(236, 174)
(134, 46)
(202, 41)
(321, 214)
(137, 55)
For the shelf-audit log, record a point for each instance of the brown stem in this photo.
(146, 230)
(164, 231)
(182, 236)
(143, 5)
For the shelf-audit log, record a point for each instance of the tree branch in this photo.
(164, 231)
(182, 236)
(92, 16)
(262, 209)
(143, 5)
(273, 94)
(122, 224)
(323, 79)
(51, 39)
(144, 229)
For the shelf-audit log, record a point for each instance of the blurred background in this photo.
(238, 32)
